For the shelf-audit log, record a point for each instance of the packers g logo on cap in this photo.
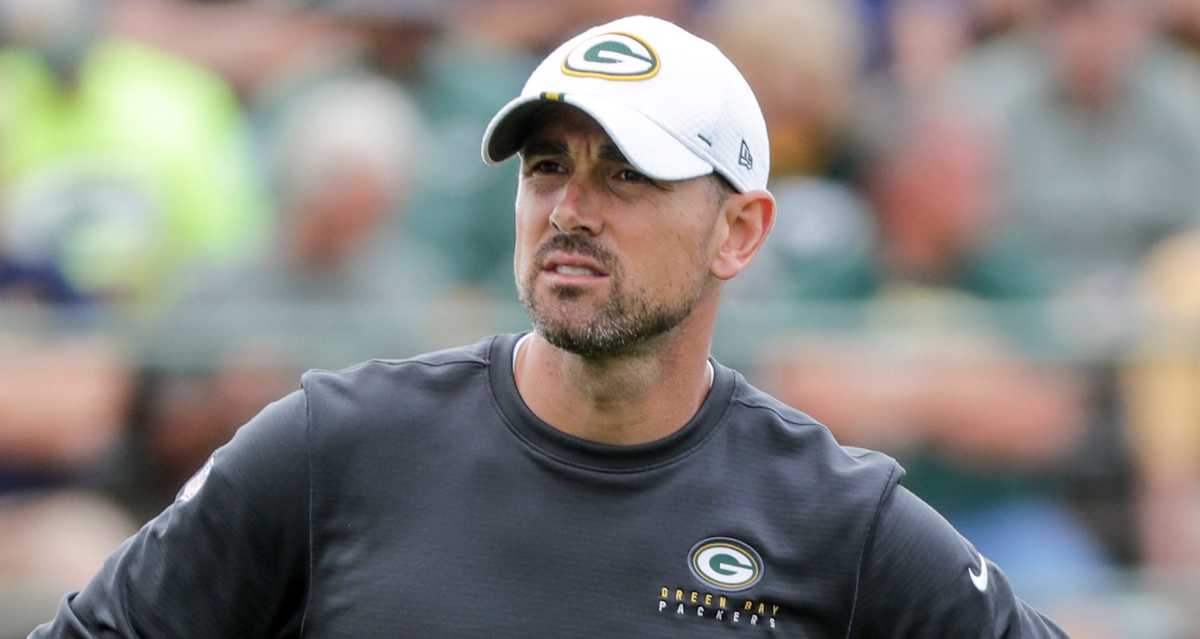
(612, 56)
(726, 564)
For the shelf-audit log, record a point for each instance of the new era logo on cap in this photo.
(744, 157)
(673, 104)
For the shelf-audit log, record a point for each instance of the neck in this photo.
(625, 399)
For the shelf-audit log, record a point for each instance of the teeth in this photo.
(574, 270)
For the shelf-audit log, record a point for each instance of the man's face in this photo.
(606, 258)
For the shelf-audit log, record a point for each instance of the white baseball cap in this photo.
(673, 104)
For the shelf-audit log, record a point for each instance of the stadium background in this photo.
(983, 262)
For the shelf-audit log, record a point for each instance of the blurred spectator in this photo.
(63, 393)
(121, 164)
(457, 70)
(1097, 114)
(1162, 384)
(342, 155)
(1098, 117)
(461, 207)
(333, 289)
(983, 19)
(926, 369)
(250, 43)
(802, 58)
(928, 38)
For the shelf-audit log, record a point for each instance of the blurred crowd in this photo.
(986, 261)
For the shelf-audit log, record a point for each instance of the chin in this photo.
(572, 314)
(584, 341)
(574, 325)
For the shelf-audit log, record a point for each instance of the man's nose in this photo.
(576, 211)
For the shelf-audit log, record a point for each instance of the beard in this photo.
(622, 323)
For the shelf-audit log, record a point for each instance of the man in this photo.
(599, 477)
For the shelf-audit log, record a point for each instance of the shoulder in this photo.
(408, 398)
(383, 427)
(389, 375)
(752, 399)
(808, 449)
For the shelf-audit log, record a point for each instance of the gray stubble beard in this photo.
(620, 326)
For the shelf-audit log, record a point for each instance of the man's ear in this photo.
(748, 218)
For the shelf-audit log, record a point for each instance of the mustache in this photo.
(578, 244)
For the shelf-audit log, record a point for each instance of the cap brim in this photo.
(647, 146)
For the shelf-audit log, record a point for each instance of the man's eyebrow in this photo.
(544, 147)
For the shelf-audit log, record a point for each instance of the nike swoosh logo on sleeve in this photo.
(980, 580)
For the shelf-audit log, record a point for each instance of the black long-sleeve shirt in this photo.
(422, 498)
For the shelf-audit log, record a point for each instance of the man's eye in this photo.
(546, 166)
(629, 175)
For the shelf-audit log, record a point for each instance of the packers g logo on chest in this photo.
(726, 564)
(612, 56)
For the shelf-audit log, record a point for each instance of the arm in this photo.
(920, 578)
(228, 559)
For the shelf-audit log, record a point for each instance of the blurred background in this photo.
(986, 260)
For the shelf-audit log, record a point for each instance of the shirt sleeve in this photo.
(229, 558)
(920, 578)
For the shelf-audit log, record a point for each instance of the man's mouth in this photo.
(572, 265)
(563, 269)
